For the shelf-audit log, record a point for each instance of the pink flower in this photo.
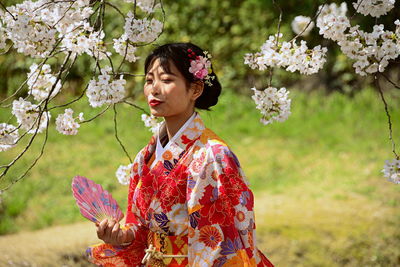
(195, 66)
(199, 68)
(201, 74)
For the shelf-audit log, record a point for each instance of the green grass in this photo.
(320, 197)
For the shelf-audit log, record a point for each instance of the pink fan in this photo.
(94, 202)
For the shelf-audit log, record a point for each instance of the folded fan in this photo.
(94, 202)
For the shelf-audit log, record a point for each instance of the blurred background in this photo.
(321, 199)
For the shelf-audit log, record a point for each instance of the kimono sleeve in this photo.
(220, 207)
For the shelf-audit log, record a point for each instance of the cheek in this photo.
(146, 91)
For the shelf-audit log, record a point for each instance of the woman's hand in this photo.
(110, 232)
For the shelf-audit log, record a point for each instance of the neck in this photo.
(173, 124)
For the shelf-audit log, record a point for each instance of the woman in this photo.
(189, 203)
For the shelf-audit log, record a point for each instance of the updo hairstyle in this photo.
(177, 53)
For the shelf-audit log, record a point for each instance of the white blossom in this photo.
(332, 9)
(273, 104)
(66, 17)
(3, 36)
(290, 55)
(34, 27)
(40, 81)
(371, 51)
(391, 170)
(142, 30)
(397, 32)
(27, 29)
(66, 124)
(123, 174)
(332, 21)
(8, 136)
(147, 6)
(106, 90)
(80, 117)
(27, 115)
(86, 41)
(375, 8)
(151, 122)
(299, 24)
(120, 47)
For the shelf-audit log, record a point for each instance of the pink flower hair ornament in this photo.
(200, 67)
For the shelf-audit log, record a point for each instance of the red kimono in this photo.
(193, 206)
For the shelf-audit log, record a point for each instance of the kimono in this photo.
(193, 206)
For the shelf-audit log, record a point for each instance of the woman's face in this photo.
(167, 93)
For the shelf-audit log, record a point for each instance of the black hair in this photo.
(178, 54)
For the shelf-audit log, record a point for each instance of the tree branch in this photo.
(387, 114)
(98, 115)
(116, 133)
(38, 119)
(136, 106)
(5, 8)
(390, 81)
(34, 162)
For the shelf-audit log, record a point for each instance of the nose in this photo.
(155, 87)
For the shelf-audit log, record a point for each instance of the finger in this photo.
(101, 228)
(121, 237)
(115, 232)
(109, 229)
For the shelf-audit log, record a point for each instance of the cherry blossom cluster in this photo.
(273, 104)
(391, 170)
(28, 114)
(106, 90)
(332, 21)
(50, 30)
(40, 81)
(34, 27)
(300, 23)
(8, 136)
(88, 41)
(138, 30)
(151, 122)
(371, 51)
(120, 46)
(27, 30)
(66, 124)
(289, 55)
(375, 8)
(123, 174)
(147, 6)
(142, 30)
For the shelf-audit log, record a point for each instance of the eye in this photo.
(149, 80)
(166, 80)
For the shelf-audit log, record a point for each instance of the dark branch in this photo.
(116, 133)
(387, 114)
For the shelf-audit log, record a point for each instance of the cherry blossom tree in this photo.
(70, 29)
(371, 53)
(67, 30)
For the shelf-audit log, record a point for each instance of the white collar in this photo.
(160, 149)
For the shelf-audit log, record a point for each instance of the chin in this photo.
(156, 113)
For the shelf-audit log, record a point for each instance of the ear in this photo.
(197, 88)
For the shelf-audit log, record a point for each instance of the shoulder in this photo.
(216, 149)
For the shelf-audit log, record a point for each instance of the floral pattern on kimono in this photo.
(195, 201)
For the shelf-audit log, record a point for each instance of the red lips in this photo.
(154, 102)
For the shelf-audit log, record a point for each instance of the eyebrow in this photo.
(161, 73)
